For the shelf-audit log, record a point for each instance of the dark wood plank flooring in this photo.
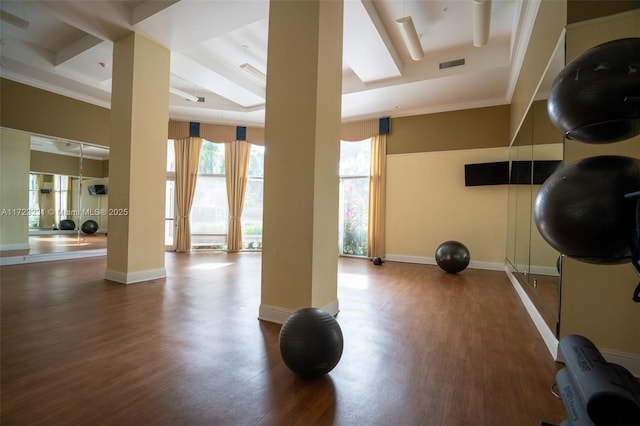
(422, 347)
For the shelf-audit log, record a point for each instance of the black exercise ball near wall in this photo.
(452, 256)
(311, 343)
(596, 97)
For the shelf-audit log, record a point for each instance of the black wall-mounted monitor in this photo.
(521, 172)
(479, 174)
(97, 189)
(542, 169)
(536, 172)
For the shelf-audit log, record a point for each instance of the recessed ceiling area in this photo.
(219, 51)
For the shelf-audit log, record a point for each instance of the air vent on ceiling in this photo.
(200, 99)
(454, 63)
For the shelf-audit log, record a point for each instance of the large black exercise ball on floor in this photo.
(89, 227)
(452, 256)
(67, 225)
(596, 97)
(311, 342)
(582, 212)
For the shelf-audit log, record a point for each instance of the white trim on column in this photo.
(279, 315)
(17, 246)
(135, 277)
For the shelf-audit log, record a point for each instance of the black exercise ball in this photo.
(582, 212)
(67, 225)
(452, 256)
(89, 227)
(596, 97)
(311, 342)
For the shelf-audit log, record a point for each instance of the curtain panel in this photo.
(377, 197)
(236, 161)
(187, 158)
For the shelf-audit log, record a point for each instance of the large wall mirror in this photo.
(536, 151)
(66, 205)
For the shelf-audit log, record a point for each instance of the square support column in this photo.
(302, 154)
(138, 158)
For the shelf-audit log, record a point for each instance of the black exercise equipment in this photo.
(596, 97)
(452, 256)
(311, 342)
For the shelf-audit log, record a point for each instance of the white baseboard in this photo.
(135, 277)
(491, 266)
(544, 270)
(629, 361)
(279, 315)
(17, 246)
(547, 335)
(51, 257)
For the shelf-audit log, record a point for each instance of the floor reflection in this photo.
(73, 244)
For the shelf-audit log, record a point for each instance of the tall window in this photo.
(34, 206)
(170, 199)
(355, 161)
(252, 211)
(54, 202)
(210, 209)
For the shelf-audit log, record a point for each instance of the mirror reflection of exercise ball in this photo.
(67, 225)
(582, 212)
(89, 227)
(596, 97)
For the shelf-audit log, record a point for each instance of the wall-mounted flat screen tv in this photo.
(521, 172)
(542, 169)
(536, 172)
(479, 174)
(97, 189)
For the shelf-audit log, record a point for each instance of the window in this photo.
(252, 211)
(170, 199)
(355, 161)
(210, 209)
(34, 206)
(54, 204)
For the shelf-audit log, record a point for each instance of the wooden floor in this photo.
(421, 347)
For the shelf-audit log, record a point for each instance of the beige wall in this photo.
(14, 190)
(596, 299)
(45, 162)
(57, 115)
(428, 203)
(448, 131)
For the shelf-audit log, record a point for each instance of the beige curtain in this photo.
(377, 197)
(69, 195)
(187, 157)
(46, 202)
(236, 161)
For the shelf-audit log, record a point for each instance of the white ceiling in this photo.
(67, 49)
